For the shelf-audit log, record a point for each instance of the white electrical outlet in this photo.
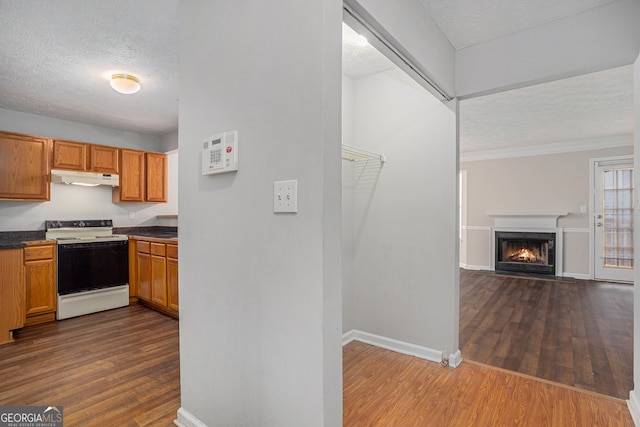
(132, 215)
(285, 196)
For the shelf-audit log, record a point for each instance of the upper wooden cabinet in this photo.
(132, 177)
(156, 177)
(143, 177)
(24, 167)
(80, 156)
(69, 155)
(103, 159)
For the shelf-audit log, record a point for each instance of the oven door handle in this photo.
(92, 245)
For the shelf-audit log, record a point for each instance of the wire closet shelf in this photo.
(351, 153)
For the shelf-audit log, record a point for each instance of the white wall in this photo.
(404, 231)
(260, 293)
(597, 39)
(74, 202)
(556, 182)
(33, 124)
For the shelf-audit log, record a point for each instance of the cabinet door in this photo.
(69, 155)
(12, 314)
(40, 286)
(132, 176)
(143, 265)
(159, 280)
(172, 283)
(156, 177)
(24, 167)
(103, 159)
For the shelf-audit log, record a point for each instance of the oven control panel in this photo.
(82, 223)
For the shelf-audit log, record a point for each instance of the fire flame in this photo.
(523, 254)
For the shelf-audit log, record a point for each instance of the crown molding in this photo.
(546, 149)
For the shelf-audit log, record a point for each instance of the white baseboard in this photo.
(187, 419)
(348, 337)
(455, 359)
(634, 406)
(393, 345)
(580, 276)
(475, 267)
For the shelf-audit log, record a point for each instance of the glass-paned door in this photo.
(613, 225)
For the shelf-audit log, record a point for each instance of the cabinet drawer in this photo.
(172, 251)
(142, 247)
(39, 252)
(158, 249)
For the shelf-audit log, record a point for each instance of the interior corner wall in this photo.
(404, 214)
(599, 38)
(532, 184)
(74, 202)
(169, 141)
(260, 293)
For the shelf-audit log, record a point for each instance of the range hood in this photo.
(91, 179)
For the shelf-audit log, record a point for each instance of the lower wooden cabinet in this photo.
(159, 274)
(143, 270)
(40, 282)
(11, 293)
(172, 283)
(156, 274)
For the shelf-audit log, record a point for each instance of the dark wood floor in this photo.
(578, 333)
(121, 368)
(115, 368)
(383, 388)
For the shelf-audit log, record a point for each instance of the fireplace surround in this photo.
(530, 243)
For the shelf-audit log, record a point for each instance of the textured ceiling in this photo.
(469, 22)
(590, 106)
(361, 59)
(57, 55)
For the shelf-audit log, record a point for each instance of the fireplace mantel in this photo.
(527, 220)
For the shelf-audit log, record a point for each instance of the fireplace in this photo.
(525, 252)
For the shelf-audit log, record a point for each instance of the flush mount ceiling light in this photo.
(125, 83)
(361, 40)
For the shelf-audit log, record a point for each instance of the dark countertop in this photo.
(17, 239)
(157, 232)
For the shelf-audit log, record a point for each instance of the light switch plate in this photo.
(285, 196)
